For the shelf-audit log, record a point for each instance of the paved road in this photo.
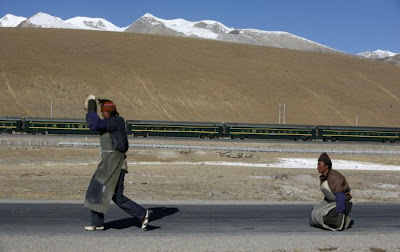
(284, 227)
(192, 219)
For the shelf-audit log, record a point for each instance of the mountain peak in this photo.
(377, 54)
(10, 20)
(44, 20)
(42, 14)
(148, 15)
(205, 29)
(89, 23)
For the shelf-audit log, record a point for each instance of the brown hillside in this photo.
(171, 78)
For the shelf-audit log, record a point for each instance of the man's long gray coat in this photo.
(103, 183)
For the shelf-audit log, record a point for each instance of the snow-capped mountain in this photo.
(394, 60)
(10, 20)
(43, 20)
(378, 54)
(208, 29)
(93, 24)
(205, 29)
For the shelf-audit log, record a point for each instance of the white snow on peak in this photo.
(187, 27)
(47, 21)
(216, 23)
(10, 20)
(378, 54)
(93, 24)
(148, 15)
(279, 33)
(265, 32)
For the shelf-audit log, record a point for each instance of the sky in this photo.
(351, 26)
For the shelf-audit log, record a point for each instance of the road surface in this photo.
(194, 227)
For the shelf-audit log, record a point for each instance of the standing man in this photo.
(108, 180)
(333, 212)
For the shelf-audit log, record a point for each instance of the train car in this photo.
(270, 131)
(175, 129)
(356, 133)
(10, 124)
(56, 126)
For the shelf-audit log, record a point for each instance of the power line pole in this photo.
(284, 113)
(51, 108)
(356, 120)
(279, 113)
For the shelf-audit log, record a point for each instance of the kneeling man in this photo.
(333, 212)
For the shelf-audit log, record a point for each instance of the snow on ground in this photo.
(293, 163)
(386, 186)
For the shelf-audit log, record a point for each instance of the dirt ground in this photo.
(154, 77)
(64, 173)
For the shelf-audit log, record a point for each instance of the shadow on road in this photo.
(161, 212)
(155, 214)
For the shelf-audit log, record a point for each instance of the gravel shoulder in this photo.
(60, 173)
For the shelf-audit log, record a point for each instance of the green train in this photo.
(210, 130)
(270, 131)
(56, 126)
(175, 129)
(10, 124)
(352, 133)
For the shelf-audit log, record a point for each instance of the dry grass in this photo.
(171, 78)
(64, 173)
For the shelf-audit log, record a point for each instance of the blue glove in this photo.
(340, 203)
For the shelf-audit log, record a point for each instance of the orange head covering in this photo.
(108, 106)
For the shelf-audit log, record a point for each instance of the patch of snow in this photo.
(378, 54)
(309, 163)
(10, 20)
(225, 28)
(265, 32)
(261, 177)
(183, 26)
(94, 24)
(47, 21)
(292, 163)
(386, 186)
(60, 163)
(280, 33)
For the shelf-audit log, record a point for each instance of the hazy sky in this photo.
(349, 25)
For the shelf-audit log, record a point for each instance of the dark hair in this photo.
(329, 165)
(114, 113)
(325, 159)
(102, 101)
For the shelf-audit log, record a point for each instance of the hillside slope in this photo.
(171, 78)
